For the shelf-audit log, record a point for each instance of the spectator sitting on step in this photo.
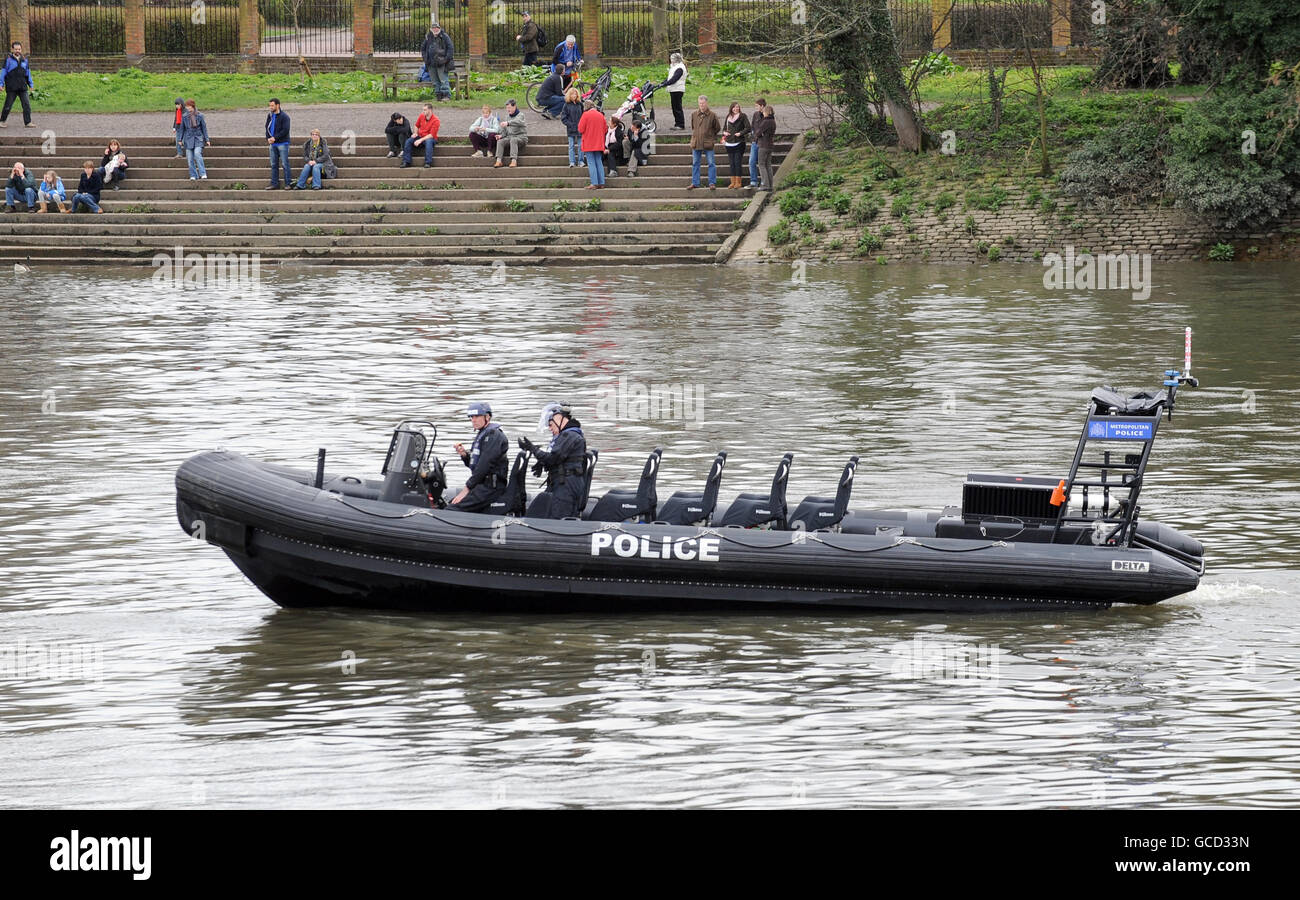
(570, 116)
(317, 164)
(397, 131)
(51, 190)
(88, 188)
(194, 137)
(20, 184)
(114, 164)
(426, 136)
(483, 134)
(635, 145)
(514, 133)
(614, 154)
(550, 96)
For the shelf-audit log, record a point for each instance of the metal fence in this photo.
(182, 28)
(76, 29)
(557, 18)
(1001, 24)
(319, 28)
(400, 25)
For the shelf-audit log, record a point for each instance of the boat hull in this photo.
(306, 547)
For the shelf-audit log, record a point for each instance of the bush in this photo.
(1208, 171)
(868, 243)
(779, 234)
(990, 200)
(865, 208)
(1125, 162)
(944, 201)
(795, 201)
(1223, 253)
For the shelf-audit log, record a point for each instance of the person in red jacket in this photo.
(592, 127)
(426, 136)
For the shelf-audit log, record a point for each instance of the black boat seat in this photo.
(694, 507)
(623, 505)
(1106, 401)
(752, 510)
(814, 513)
(540, 507)
(515, 499)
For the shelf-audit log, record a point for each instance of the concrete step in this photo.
(167, 219)
(574, 255)
(542, 199)
(406, 238)
(77, 228)
(702, 200)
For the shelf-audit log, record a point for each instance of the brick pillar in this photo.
(478, 37)
(134, 15)
(591, 32)
(18, 30)
(1061, 34)
(363, 31)
(708, 25)
(250, 35)
(941, 23)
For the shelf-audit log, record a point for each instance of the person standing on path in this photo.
(18, 80)
(277, 141)
(676, 85)
(528, 39)
(438, 56)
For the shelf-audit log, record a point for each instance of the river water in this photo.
(138, 668)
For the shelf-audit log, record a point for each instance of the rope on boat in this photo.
(796, 537)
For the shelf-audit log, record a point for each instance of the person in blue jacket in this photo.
(563, 461)
(566, 58)
(277, 141)
(486, 459)
(18, 80)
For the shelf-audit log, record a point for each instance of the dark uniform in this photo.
(487, 463)
(564, 462)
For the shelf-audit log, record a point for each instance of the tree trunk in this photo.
(886, 63)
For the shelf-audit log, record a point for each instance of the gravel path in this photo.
(331, 118)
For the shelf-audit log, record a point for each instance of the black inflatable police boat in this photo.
(1015, 542)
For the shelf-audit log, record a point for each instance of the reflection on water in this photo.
(209, 695)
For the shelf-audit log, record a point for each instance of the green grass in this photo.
(132, 90)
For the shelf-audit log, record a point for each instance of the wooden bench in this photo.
(407, 76)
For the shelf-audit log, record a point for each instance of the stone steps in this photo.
(455, 212)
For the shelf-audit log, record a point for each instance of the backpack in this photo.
(541, 36)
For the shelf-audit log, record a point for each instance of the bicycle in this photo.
(596, 92)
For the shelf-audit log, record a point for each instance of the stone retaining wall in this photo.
(1020, 229)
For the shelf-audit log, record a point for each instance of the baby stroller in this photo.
(635, 107)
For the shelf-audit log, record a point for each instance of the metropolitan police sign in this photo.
(1121, 429)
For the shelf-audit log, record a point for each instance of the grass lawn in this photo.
(131, 90)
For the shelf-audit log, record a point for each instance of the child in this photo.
(176, 127)
(50, 190)
(88, 188)
(114, 164)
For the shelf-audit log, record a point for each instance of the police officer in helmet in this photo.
(563, 461)
(486, 459)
